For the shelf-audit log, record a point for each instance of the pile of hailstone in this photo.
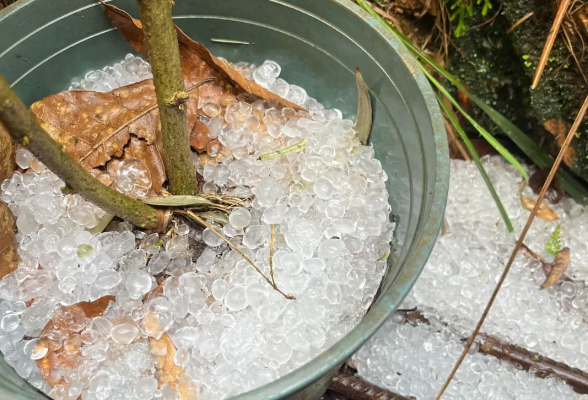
(455, 287)
(232, 331)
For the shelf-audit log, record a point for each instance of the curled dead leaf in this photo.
(544, 212)
(554, 193)
(61, 335)
(558, 267)
(7, 154)
(168, 372)
(197, 62)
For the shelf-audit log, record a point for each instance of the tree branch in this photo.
(164, 55)
(24, 129)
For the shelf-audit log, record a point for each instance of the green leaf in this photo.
(176, 201)
(485, 134)
(553, 244)
(215, 216)
(478, 163)
(527, 145)
(363, 123)
(296, 147)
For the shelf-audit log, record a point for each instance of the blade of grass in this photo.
(487, 135)
(478, 163)
(527, 145)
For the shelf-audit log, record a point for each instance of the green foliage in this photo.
(462, 8)
(553, 244)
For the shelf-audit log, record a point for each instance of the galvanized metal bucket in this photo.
(45, 43)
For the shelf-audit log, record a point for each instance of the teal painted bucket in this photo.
(44, 44)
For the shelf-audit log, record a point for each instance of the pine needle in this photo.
(561, 12)
(518, 244)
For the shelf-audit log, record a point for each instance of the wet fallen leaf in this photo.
(151, 155)
(544, 212)
(558, 267)
(363, 123)
(8, 254)
(94, 127)
(554, 193)
(167, 370)
(68, 322)
(199, 138)
(7, 152)
(197, 62)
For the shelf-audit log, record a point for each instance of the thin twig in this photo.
(561, 12)
(520, 21)
(519, 243)
(137, 117)
(271, 260)
(232, 246)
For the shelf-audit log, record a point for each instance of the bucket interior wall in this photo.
(45, 44)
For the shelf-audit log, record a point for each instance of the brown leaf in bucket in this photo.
(554, 193)
(363, 123)
(558, 267)
(197, 62)
(68, 321)
(151, 155)
(8, 254)
(6, 154)
(544, 212)
(171, 374)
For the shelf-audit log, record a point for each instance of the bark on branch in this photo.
(164, 55)
(24, 129)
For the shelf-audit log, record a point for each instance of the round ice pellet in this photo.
(239, 218)
(9, 322)
(211, 109)
(23, 158)
(124, 333)
(331, 248)
(138, 283)
(211, 238)
(145, 388)
(133, 178)
(236, 299)
(323, 188)
(291, 263)
(219, 289)
(40, 349)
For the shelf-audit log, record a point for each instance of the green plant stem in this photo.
(164, 55)
(478, 163)
(24, 129)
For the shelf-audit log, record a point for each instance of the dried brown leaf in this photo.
(544, 212)
(558, 267)
(558, 128)
(6, 154)
(197, 62)
(167, 370)
(363, 123)
(151, 155)
(199, 138)
(8, 254)
(554, 193)
(94, 127)
(62, 322)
